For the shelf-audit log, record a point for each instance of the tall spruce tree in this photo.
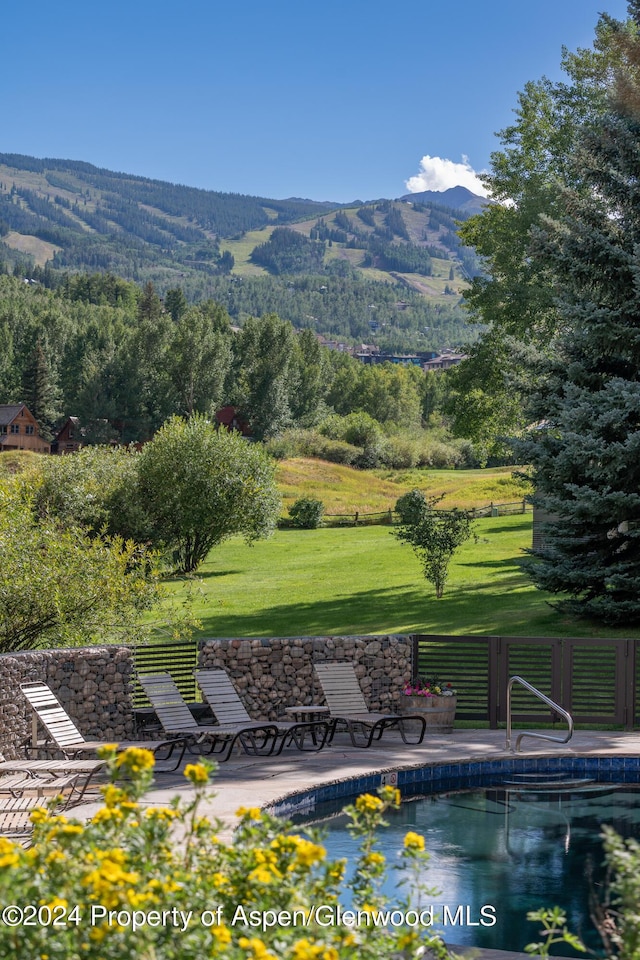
(39, 391)
(586, 451)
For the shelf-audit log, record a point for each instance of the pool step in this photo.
(540, 782)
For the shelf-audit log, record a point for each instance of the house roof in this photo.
(9, 411)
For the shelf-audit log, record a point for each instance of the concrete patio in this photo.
(260, 781)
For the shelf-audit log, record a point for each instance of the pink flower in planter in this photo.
(429, 687)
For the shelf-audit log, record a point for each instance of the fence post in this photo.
(524, 505)
(355, 519)
(415, 649)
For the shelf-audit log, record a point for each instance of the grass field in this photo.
(363, 580)
(345, 490)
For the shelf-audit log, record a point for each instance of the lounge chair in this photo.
(347, 706)
(64, 736)
(223, 698)
(29, 775)
(15, 817)
(175, 718)
(20, 784)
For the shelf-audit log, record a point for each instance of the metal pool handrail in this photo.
(549, 702)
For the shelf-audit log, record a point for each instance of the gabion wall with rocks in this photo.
(271, 674)
(92, 683)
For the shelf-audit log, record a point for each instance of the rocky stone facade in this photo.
(271, 674)
(94, 684)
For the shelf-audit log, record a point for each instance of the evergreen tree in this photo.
(175, 303)
(586, 453)
(39, 391)
(511, 296)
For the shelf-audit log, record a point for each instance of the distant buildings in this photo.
(369, 353)
(444, 360)
(19, 429)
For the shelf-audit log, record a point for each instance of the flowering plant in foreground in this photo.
(429, 687)
(159, 883)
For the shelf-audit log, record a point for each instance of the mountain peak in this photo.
(459, 198)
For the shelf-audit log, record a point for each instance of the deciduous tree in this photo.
(59, 587)
(435, 535)
(200, 485)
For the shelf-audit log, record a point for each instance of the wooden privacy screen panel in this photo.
(596, 680)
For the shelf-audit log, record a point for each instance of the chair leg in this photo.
(412, 743)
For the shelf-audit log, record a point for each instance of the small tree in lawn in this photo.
(435, 535)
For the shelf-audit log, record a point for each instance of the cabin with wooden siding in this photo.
(19, 429)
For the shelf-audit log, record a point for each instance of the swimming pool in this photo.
(499, 851)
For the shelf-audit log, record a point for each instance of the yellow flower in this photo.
(10, 858)
(113, 795)
(107, 813)
(336, 873)
(109, 882)
(374, 859)
(135, 759)
(262, 874)
(72, 829)
(305, 950)
(221, 934)
(196, 773)
(251, 813)
(219, 880)
(413, 841)
(308, 853)
(258, 950)
(390, 795)
(39, 815)
(367, 802)
(56, 902)
(160, 813)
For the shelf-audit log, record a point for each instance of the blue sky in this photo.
(332, 100)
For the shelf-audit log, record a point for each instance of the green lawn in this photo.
(363, 580)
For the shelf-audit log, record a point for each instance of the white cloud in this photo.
(438, 173)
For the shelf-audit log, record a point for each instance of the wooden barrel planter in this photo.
(439, 712)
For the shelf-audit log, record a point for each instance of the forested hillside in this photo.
(388, 271)
(122, 361)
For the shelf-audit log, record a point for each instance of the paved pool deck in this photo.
(261, 781)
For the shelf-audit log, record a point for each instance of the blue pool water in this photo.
(498, 852)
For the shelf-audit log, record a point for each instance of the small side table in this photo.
(308, 714)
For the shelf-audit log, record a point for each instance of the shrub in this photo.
(140, 861)
(358, 428)
(310, 443)
(338, 451)
(399, 453)
(306, 513)
(60, 587)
